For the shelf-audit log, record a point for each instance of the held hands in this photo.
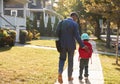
(86, 48)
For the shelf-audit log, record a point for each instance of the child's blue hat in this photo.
(84, 36)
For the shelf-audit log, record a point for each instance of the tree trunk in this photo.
(97, 30)
(80, 30)
(108, 39)
(117, 43)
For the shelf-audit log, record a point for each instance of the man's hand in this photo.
(86, 48)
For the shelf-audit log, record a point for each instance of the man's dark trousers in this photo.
(63, 56)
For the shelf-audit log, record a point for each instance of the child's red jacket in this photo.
(85, 54)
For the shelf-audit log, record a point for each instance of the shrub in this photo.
(29, 36)
(9, 40)
(12, 33)
(36, 34)
(23, 36)
(6, 38)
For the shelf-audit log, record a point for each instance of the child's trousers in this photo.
(83, 66)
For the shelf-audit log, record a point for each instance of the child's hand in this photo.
(86, 48)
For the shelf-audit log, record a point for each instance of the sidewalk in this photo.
(95, 70)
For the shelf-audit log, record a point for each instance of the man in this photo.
(69, 32)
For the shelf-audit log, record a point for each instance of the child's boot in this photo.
(86, 79)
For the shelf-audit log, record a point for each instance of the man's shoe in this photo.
(60, 78)
(70, 78)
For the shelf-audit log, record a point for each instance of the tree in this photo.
(29, 24)
(109, 9)
(65, 7)
(35, 21)
(42, 24)
(80, 10)
(49, 27)
(55, 25)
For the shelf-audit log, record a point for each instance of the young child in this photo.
(84, 57)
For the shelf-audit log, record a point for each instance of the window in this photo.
(34, 2)
(20, 13)
(14, 12)
(7, 12)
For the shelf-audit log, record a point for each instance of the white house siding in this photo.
(47, 13)
(13, 5)
(44, 7)
(1, 11)
(1, 6)
(16, 1)
(51, 14)
(16, 21)
(11, 21)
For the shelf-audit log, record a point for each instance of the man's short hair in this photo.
(74, 14)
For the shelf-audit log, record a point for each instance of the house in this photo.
(13, 15)
(42, 7)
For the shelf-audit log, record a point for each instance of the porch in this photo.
(12, 22)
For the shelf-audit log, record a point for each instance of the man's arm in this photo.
(58, 29)
(77, 35)
(78, 38)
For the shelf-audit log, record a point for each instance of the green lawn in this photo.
(22, 65)
(101, 47)
(49, 43)
(111, 71)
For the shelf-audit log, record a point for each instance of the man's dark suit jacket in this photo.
(69, 34)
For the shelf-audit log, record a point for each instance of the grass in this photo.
(111, 71)
(49, 43)
(101, 46)
(23, 65)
